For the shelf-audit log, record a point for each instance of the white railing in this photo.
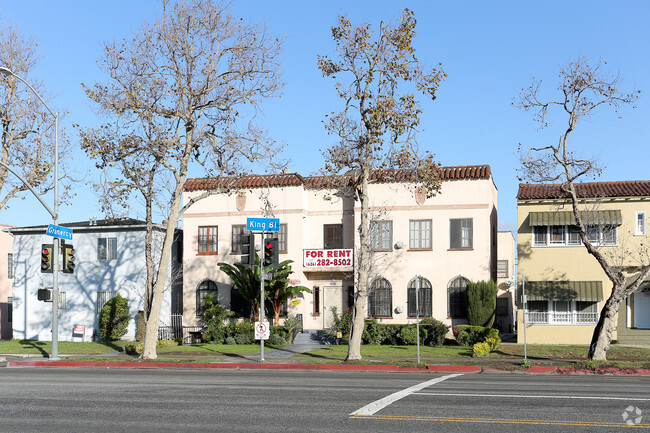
(561, 318)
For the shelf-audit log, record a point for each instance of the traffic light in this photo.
(46, 258)
(68, 259)
(247, 250)
(45, 294)
(271, 253)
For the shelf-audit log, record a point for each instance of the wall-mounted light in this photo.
(399, 245)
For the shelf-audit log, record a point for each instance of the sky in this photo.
(490, 50)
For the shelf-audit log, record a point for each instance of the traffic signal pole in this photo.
(262, 298)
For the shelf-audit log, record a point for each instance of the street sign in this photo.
(263, 224)
(59, 232)
(262, 330)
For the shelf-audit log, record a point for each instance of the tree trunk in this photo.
(364, 252)
(602, 336)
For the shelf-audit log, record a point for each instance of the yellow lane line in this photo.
(499, 421)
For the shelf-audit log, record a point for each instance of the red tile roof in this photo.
(632, 188)
(317, 182)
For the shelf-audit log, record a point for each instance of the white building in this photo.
(110, 259)
(448, 240)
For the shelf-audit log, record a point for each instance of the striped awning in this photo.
(565, 218)
(564, 290)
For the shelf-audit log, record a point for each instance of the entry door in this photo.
(642, 310)
(332, 298)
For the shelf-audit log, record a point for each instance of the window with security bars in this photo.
(106, 248)
(502, 269)
(457, 294)
(103, 296)
(332, 236)
(380, 299)
(420, 234)
(10, 266)
(461, 233)
(208, 240)
(205, 287)
(381, 235)
(424, 300)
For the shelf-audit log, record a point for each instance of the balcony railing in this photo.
(561, 318)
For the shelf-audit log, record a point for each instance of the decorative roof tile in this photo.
(468, 172)
(631, 188)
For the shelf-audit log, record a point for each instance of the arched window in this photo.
(380, 299)
(425, 302)
(204, 288)
(457, 291)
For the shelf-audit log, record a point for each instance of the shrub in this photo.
(481, 303)
(480, 350)
(408, 335)
(276, 340)
(166, 343)
(493, 342)
(114, 318)
(341, 324)
(436, 331)
(468, 335)
(390, 334)
(291, 325)
(214, 316)
(131, 348)
(243, 339)
(230, 340)
(372, 333)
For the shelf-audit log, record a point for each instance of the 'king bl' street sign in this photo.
(263, 224)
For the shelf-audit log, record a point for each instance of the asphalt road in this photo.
(162, 400)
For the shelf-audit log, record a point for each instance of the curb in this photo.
(436, 369)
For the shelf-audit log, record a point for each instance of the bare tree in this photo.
(182, 92)
(27, 127)
(377, 126)
(583, 89)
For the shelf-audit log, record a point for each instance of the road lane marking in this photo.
(575, 397)
(376, 406)
(501, 421)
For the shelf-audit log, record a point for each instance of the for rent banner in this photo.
(337, 258)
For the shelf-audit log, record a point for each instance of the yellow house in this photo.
(565, 286)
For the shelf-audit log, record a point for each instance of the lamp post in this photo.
(55, 217)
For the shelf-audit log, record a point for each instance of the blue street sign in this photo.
(263, 224)
(59, 232)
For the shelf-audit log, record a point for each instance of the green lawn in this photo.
(201, 352)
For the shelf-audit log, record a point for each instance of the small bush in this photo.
(131, 348)
(372, 333)
(230, 340)
(436, 331)
(480, 350)
(243, 339)
(493, 342)
(276, 340)
(214, 316)
(468, 335)
(408, 335)
(166, 343)
(114, 318)
(341, 324)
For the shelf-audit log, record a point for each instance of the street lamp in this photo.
(55, 215)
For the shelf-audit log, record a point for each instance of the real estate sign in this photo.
(335, 258)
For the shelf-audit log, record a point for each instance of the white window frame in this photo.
(640, 224)
(108, 251)
(563, 313)
(420, 235)
(542, 236)
(381, 235)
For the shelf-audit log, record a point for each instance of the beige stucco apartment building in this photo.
(564, 285)
(447, 240)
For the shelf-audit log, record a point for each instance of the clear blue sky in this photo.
(489, 50)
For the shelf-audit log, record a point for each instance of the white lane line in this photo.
(376, 406)
(575, 397)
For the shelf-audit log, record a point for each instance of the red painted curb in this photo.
(469, 369)
(542, 370)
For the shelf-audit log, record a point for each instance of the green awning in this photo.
(565, 218)
(564, 290)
